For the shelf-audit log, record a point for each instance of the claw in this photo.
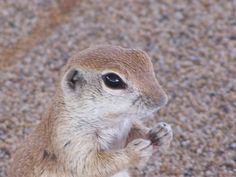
(159, 135)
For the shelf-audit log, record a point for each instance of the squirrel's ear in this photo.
(75, 79)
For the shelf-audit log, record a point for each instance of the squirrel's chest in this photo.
(115, 137)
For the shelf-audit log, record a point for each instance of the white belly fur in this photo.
(115, 137)
(122, 174)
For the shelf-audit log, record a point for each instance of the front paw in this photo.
(161, 135)
(140, 151)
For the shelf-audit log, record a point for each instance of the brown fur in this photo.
(55, 150)
(135, 64)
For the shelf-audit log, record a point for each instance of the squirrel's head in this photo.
(109, 83)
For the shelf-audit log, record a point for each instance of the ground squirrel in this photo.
(93, 127)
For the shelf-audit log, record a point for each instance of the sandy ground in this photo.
(193, 48)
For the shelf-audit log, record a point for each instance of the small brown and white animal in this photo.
(93, 127)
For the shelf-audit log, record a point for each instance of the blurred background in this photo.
(192, 44)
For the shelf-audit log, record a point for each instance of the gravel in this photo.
(193, 48)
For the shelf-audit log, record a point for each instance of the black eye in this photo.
(113, 81)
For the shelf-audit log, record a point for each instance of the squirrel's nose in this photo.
(156, 96)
